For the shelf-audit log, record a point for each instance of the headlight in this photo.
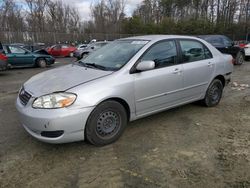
(54, 100)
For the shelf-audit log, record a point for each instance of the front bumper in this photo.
(50, 61)
(70, 121)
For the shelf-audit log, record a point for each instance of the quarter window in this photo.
(163, 54)
(194, 51)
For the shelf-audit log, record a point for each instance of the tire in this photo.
(106, 123)
(240, 58)
(213, 94)
(41, 63)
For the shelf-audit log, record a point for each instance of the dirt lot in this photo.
(190, 146)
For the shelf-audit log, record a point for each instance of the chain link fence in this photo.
(50, 38)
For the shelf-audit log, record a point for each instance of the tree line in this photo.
(50, 20)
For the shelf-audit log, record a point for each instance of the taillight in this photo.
(3, 57)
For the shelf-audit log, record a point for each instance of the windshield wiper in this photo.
(96, 66)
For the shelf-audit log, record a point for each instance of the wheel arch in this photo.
(37, 58)
(122, 102)
(222, 79)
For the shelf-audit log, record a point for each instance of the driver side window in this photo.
(163, 54)
(16, 50)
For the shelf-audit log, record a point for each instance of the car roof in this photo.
(158, 37)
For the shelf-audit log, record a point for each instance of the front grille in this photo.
(24, 97)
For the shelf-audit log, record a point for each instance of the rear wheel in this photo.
(106, 123)
(240, 58)
(41, 63)
(213, 94)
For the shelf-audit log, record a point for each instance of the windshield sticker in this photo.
(139, 42)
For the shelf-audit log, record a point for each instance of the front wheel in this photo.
(41, 63)
(106, 123)
(213, 94)
(240, 58)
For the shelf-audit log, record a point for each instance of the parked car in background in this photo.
(61, 50)
(81, 46)
(247, 51)
(3, 59)
(128, 79)
(3, 62)
(82, 53)
(241, 43)
(21, 57)
(227, 46)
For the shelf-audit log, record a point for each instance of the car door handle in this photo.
(177, 71)
(210, 64)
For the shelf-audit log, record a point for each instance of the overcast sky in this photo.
(83, 6)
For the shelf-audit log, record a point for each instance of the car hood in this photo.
(62, 79)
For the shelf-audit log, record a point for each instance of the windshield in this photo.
(115, 55)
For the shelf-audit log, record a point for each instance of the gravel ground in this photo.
(190, 146)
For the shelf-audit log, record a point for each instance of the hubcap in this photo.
(215, 94)
(42, 63)
(108, 124)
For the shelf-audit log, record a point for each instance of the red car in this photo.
(3, 59)
(61, 50)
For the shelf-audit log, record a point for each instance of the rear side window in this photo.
(194, 51)
(227, 41)
(163, 54)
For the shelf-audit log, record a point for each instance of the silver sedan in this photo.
(128, 79)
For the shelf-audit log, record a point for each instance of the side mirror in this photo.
(92, 47)
(233, 43)
(26, 52)
(145, 66)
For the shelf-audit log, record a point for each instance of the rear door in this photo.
(198, 68)
(161, 87)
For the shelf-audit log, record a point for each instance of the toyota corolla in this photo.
(94, 99)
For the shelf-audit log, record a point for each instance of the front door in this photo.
(56, 50)
(19, 57)
(159, 88)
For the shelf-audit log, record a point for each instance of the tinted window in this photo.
(16, 50)
(215, 41)
(194, 51)
(57, 47)
(163, 54)
(227, 41)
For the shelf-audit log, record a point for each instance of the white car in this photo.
(247, 51)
